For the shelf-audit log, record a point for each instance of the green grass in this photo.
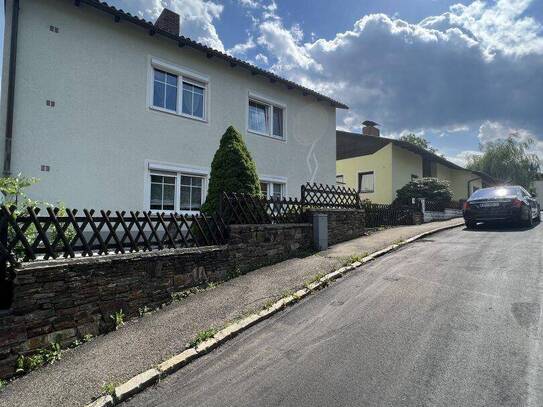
(202, 336)
(314, 279)
(108, 388)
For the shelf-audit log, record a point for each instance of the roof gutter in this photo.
(11, 86)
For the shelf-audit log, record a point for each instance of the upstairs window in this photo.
(165, 90)
(266, 119)
(176, 90)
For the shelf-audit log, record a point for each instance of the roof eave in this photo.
(119, 13)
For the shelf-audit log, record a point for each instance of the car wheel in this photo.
(471, 224)
(528, 222)
(538, 218)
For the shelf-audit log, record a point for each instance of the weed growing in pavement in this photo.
(108, 388)
(87, 338)
(268, 304)
(118, 318)
(42, 357)
(3, 385)
(144, 310)
(314, 279)
(354, 258)
(398, 241)
(202, 336)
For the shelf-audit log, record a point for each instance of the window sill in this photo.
(283, 139)
(174, 113)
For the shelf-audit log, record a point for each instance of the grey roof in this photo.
(121, 15)
(355, 144)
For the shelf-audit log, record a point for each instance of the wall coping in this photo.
(272, 226)
(115, 257)
(334, 210)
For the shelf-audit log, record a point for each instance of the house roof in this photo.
(351, 145)
(121, 15)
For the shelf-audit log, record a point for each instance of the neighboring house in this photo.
(111, 111)
(538, 189)
(377, 166)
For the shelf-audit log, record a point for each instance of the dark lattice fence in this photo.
(51, 233)
(388, 215)
(330, 196)
(249, 209)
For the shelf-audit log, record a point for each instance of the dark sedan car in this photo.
(508, 204)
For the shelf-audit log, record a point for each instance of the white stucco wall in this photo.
(101, 132)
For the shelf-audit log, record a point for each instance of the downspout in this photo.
(11, 86)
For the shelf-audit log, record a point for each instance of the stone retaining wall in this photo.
(343, 224)
(61, 300)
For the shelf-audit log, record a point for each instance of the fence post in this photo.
(302, 195)
(5, 285)
(320, 230)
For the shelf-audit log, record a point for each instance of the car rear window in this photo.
(501, 192)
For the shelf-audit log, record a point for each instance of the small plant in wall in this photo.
(118, 319)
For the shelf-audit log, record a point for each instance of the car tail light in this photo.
(466, 206)
(517, 203)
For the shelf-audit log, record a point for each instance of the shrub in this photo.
(432, 189)
(232, 170)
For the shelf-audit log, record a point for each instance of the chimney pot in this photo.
(369, 129)
(168, 21)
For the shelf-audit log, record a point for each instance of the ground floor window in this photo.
(176, 191)
(272, 189)
(366, 181)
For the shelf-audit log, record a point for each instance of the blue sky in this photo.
(460, 73)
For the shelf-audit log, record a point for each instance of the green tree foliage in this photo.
(507, 160)
(418, 141)
(13, 189)
(232, 170)
(432, 189)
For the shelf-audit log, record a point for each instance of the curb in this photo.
(143, 380)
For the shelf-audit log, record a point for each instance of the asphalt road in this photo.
(452, 320)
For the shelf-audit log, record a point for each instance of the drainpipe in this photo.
(11, 86)
(469, 184)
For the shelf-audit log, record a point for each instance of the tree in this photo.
(432, 189)
(507, 160)
(232, 170)
(418, 141)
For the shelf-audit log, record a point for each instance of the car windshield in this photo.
(501, 192)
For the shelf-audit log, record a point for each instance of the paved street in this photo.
(452, 320)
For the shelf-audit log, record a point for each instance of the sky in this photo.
(459, 73)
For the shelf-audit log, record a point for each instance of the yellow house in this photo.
(377, 166)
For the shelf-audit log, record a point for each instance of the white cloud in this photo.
(197, 16)
(433, 75)
(491, 131)
(249, 3)
(240, 50)
(263, 59)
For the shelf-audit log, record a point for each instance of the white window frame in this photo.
(266, 179)
(270, 103)
(359, 183)
(162, 168)
(338, 177)
(183, 75)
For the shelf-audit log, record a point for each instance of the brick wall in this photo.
(66, 299)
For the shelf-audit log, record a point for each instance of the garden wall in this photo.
(343, 224)
(61, 300)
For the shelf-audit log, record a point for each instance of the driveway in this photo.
(452, 320)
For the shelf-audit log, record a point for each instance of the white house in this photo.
(111, 111)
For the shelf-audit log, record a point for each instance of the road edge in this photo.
(148, 378)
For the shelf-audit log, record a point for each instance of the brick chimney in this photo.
(370, 129)
(168, 21)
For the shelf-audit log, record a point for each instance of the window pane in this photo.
(187, 102)
(156, 196)
(172, 80)
(277, 190)
(159, 94)
(264, 188)
(160, 75)
(185, 198)
(185, 180)
(366, 182)
(196, 182)
(196, 198)
(171, 97)
(168, 198)
(198, 105)
(258, 117)
(278, 122)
